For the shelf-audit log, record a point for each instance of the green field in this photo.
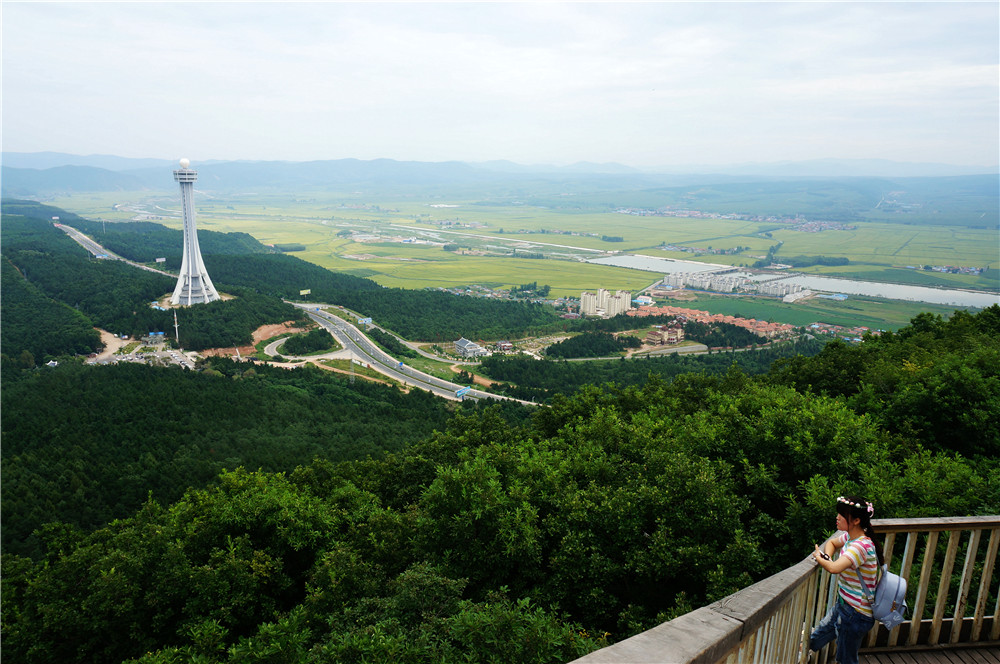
(315, 223)
(855, 311)
(433, 367)
(398, 243)
(360, 370)
(989, 280)
(894, 244)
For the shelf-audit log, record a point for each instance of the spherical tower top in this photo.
(185, 163)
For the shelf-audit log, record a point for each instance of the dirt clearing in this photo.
(260, 334)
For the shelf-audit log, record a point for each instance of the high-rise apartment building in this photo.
(604, 303)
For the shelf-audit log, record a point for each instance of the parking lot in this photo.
(146, 355)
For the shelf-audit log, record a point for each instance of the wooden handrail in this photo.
(770, 621)
(929, 524)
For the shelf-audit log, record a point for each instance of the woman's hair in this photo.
(853, 507)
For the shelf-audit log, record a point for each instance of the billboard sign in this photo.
(462, 392)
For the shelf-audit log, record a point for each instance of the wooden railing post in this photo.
(964, 585)
(943, 586)
(921, 596)
(984, 586)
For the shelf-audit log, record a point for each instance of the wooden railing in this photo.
(769, 622)
(939, 594)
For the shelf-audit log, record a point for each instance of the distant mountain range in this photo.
(839, 168)
(48, 173)
(45, 160)
(29, 181)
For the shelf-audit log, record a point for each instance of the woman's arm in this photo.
(832, 566)
(834, 543)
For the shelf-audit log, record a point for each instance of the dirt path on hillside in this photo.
(260, 334)
(111, 344)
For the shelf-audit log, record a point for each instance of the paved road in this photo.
(511, 240)
(348, 335)
(272, 348)
(98, 250)
(420, 351)
(365, 350)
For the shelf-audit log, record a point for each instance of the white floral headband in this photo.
(867, 506)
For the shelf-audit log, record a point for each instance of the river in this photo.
(945, 296)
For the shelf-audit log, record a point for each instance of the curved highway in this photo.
(348, 335)
(368, 352)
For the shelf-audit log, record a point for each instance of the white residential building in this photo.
(467, 348)
(618, 303)
(604, 303)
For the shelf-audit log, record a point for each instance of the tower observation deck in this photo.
(193, 285)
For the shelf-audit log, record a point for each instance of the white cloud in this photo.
(639, 83)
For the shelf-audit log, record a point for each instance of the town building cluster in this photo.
(797, 223)
(852, 334)
(820, 226)
(950, 269)
(698, 214)
(763, 328)
(728, 280)
(470, 349)
(605, 303)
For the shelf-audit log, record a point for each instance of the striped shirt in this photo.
(862, 553)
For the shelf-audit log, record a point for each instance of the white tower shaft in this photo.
(193, 285)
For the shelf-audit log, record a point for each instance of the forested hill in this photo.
(85, 445)
(530, 379)
(239, 259)
(50, 268)
(495, 539)
(36, 326)
(237, 262)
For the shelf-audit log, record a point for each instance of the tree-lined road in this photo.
(101, 252)
(368, 352)
(348, 335)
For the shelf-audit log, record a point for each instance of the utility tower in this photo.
(193, 285)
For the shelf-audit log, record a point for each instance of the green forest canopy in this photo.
(501, 539)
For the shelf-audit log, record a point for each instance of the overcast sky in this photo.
(643, 84)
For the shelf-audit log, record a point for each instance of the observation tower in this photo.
(193, 285)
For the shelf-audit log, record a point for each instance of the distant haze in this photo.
(157, 172)
(650, 86)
